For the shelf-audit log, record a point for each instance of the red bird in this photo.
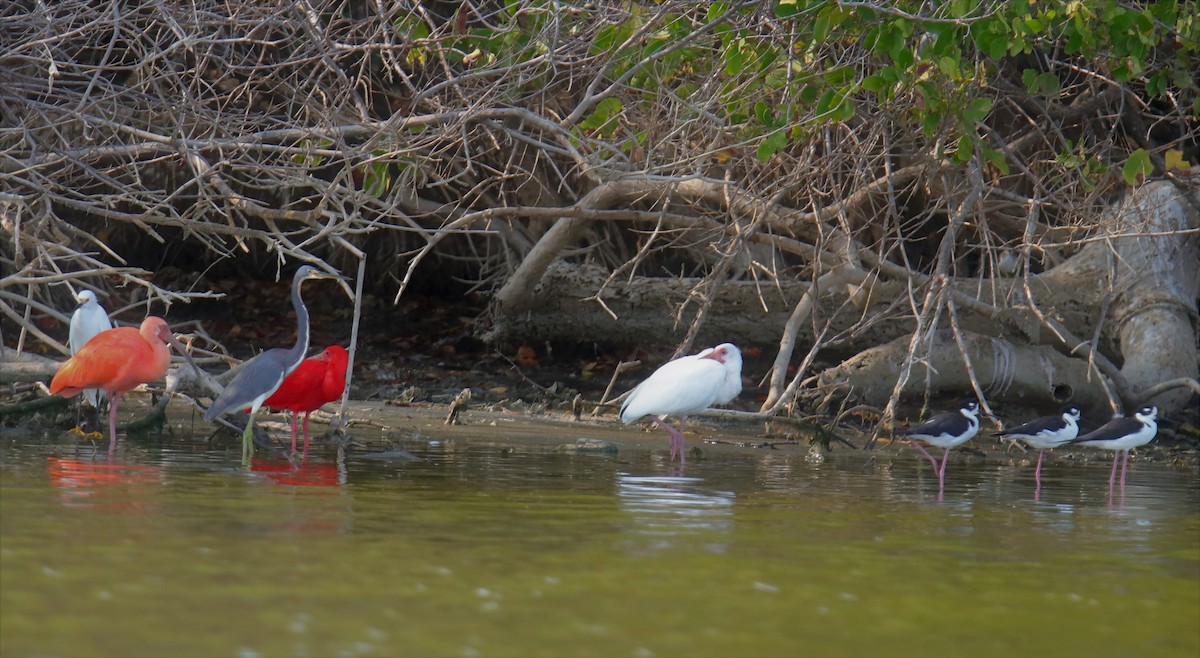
(117, 360)
(314, 382)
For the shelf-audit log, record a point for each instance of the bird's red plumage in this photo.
(316, 381)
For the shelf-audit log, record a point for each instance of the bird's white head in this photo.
(1071, 413)
(85, 297)
(1146, 414)
(970, 408)
(726, 353)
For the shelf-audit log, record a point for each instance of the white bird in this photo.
(945, 431)
(684, 386)
(1046, 433)
(1122, 435)
(89, 319)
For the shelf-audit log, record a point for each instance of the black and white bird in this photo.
(1046, 433)
(945, 431)
(1121, 435)
(89, 319)
(684, 386)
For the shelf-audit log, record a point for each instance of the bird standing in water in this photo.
(945, 431)
(88, 320)
(116, 361)
(1046, 433)
(1122, 435)
(255, 380)
(316, 381)
(684, 386)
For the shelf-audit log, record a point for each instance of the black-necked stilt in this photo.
(1046, 433)
(1122, 435)
(945, 431)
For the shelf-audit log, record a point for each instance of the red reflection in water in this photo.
(319, 507)
(81, 480)
(305, 474)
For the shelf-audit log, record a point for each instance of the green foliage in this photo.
(816, 62)
(1137, 166)
(377, 178)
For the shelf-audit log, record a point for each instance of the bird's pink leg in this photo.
(1037, 476)
(1113, 473)
(112, 422)
(682, 442)
(676, 438)
(942, 470)
(295, 417)
(305, 433)
(1124, 465)
(926, 453)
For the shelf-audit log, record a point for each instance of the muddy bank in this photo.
(389, 429)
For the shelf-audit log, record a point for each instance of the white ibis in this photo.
(1046, 433)
(684, 386)
(259, 377)
(1122, 435)
(945, 431)
(88, 320)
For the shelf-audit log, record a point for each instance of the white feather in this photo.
(687, 385)
(88, 320)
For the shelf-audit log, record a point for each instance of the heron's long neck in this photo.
(296, 355)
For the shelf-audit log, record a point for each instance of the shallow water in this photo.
(493, 545)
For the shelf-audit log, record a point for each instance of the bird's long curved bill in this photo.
(179, 348)
(342, 280)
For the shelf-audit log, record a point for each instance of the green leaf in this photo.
(786, 8)
(827, 102)
(994, 158)
(736, 57)
(963, 149)
(1049, 84)
(771, 145)
(762, 112)
(844, 110)
(1029, 78)
(1137, 165)
(717, 9)
(1165, 11)
(930, 123)
(377, 179)
(602, 115)
(875, 83)
(977, 110)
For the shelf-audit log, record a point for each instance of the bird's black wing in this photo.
(948, 423)
(1037, 425)
(1113, 429)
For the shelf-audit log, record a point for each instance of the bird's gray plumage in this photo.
(259, 377)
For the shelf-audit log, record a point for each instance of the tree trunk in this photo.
(1135, 292)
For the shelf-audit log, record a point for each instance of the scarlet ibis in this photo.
(1122, 435)
(116, 361)
(1046, 433)
(684, 386)
(88, 320)
(945, 431)
(314, 382)
(256, 379)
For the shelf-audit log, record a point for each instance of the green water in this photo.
(505, 547)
